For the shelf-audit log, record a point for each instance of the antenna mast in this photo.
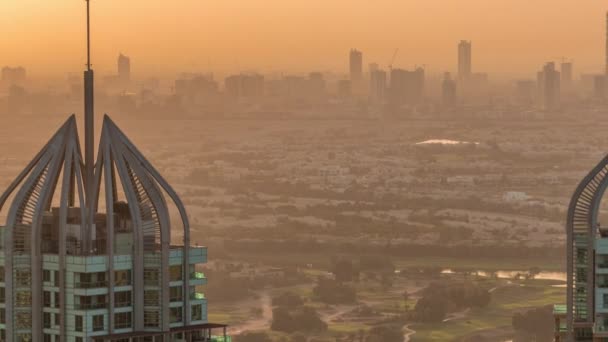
(89, 131)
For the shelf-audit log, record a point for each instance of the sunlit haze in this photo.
(510, 36)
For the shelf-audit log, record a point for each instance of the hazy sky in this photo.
(47, 36)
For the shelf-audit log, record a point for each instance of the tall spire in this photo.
(89, 132)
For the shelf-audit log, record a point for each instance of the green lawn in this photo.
(505, 302)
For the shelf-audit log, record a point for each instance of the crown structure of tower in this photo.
(86, 250)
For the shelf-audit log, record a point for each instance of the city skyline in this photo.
(290, 36)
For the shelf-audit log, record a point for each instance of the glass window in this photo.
(151, 298)
(176, 315)
(47, 319)
(23, 298)
(78, 323)
(46, 275)
(175, 294)
(98, 323)
(175, 273)
(57, 301)
(197, 312)
(122, 278)
(151, 276)
(151, 319)
(46, 298)
(23, 277)
(122, 320)
(122, 299)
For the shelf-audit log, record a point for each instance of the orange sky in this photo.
(166, 36)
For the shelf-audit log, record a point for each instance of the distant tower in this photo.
(448, 91)
(549, 87)
(356, 65)
(606, 71)
(464, 60)
(377, 85)
(566, 70)
(124, 68)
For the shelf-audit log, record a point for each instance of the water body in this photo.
(446, 142)
(543, 275)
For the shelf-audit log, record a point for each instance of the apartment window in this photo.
(57, 301)
(48, 338)
(2, 316)
(151, 297)
(23, 320)
(78, 323)
(46, 298)
(175, 273)
(23, 298)
(56, 276)
(57, 319)
(46, 275)
(2, 273)
(122, 299)
(176, 315)
(151, 276)
(98, 323)
(151, 319)
(24, 337)
(122, 278)
(23, 277)
(47, 319)
(2, 295)
(175, 293)
(122, 320)
(197, 312)
(78, 339)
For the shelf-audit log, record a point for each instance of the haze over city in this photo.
(303, 171)
(511, 36)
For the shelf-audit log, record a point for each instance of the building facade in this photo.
(585, 315)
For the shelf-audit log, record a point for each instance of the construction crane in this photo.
(390, 64)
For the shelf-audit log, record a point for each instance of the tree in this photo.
(253, 337)
(385, 333)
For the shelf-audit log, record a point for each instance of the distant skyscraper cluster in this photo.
(464, 60)
(124, 68)
(14, 75)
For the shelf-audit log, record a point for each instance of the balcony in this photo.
(91, 285)
(90, 306)
(197, 276)
(197, 296)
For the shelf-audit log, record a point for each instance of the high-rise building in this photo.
(585, 316)
(13, 75)
(88, 250)
(464, 60)
(448, 91)
(606, 54)
(244, 85)
(406, 87)
(548, 81)
(377, 86)
(356, 65)
(566, 73)
(124, 68)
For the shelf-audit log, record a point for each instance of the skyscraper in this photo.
(406, 87)
(88, 253)
(464, 60)
(124, 68)
(448, 91)
(585, 316)
(377, 86)
(566, 74)
(548, 81)
(356, 65)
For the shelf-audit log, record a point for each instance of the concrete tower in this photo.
(87, 253)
